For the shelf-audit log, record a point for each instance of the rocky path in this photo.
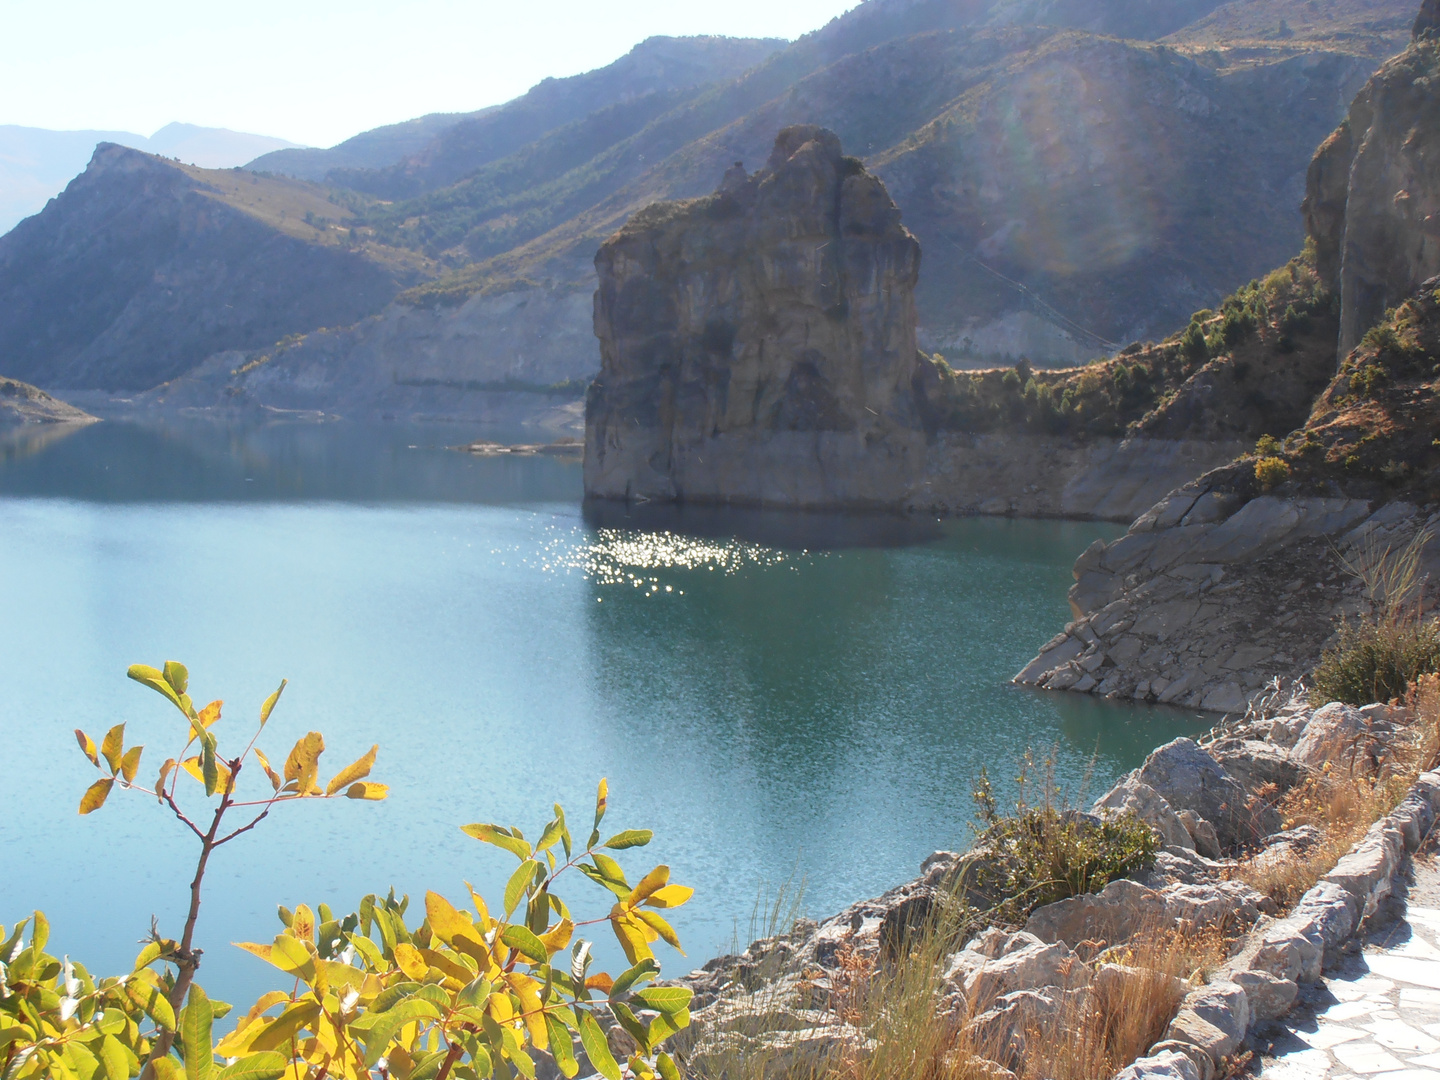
(1376, 1015)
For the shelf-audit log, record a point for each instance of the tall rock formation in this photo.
(1372, 203)
(758, 345)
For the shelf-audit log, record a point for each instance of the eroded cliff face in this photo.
(758, 345)
(1372, 203)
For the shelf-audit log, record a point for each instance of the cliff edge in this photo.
(758, 344)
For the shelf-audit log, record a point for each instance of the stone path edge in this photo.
(1261, 982)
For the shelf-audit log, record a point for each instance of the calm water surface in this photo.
(779, 697)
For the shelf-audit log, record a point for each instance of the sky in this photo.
(318, 71)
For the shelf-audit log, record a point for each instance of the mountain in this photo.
(35, 163)
(142, 267)
(1078, 175)
(391, 166)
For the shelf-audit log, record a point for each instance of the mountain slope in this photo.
(142, 267)
(36, 163)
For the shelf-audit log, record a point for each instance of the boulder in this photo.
(1202, 833)
(1024, 962)
(1220, 903)
(1367, 871)
(1165, 1065)
(1022, 1018)
(1135, 796)
(1270, 996)
(1339, 737)
(1260, 767)
(1110, 916)
(1187, 777)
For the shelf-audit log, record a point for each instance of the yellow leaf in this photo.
(193, 766)
(209, 714)
(482, 912)
(559, 937)
(501, 1008)
(275, 780)
(410, 961)
(130, 763)
(269, 705)
(632, 938)
(661, 927)
(111, 746)
(87, 747)
(447, 966)
(671, 896)
(356, 771)
(96, 794)
(652, 882)
(602, 982)
(302, 924)
(303, 762)
(531, 1008)
(262, 951)
(290, 955)
(164, 773)
(445, 921)
(367, 790)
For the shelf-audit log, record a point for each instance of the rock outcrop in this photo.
(1225, 584)
(22, 404)
(758, 345)
(1372, 203)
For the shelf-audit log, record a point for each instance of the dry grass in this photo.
(1344, 807)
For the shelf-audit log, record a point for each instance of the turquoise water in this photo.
(780, 697)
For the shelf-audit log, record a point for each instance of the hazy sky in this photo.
(318, 71)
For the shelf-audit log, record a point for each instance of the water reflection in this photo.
(794, 530)
(285, 461)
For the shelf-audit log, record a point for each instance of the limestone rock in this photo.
(1135, 796)
(1270, 997)
(1166, 1065)
(1187, 777)
(1336, 735)
(1023, 962)
(1202, 833)
(758, 345)
(1112, 915)
(1372, 200)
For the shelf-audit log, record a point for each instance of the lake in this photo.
(782, 698)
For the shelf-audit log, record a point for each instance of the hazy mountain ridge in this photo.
(37, 163)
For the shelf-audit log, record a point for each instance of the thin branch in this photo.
(244, 828)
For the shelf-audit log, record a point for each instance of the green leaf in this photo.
(177, 676)
(645, 969)
(628, 839)
(195, 1022)
(609, 869)
(208, 768)
(665, 1025)
(112, 1059)
(666, 1065)
(562, 1046)
(629, 1022)
(377, 1039)
(155, 1004)
(523, 940)
(665, 999)
(519, 881)
(501, 838)
(266, 1065)
(474, 994)
(149, 676)
(269, 706)
(597, 1049)
(167, 1069)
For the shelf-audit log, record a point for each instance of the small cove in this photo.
(780, 698)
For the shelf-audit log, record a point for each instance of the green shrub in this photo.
(1378, 658)
(1271, 472)
(1376, 661)
(1268, 446)
(1047, 852)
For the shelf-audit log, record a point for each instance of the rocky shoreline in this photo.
(1006, 986)
(1207, 599)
